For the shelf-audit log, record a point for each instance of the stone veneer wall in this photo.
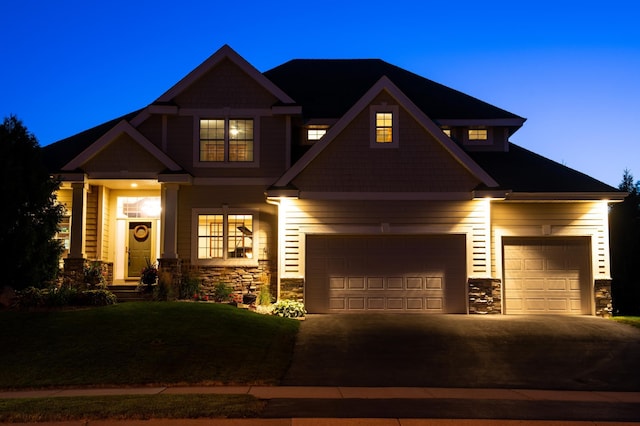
(292, 289)
(602, 297)
(73, 272)
(243, 279)
(485, 296)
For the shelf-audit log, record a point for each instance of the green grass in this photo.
(634, 321)
(160, 343)
(128, 407)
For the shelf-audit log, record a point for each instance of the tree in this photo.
(624, 227)
(30, 215)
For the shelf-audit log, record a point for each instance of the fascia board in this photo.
(122, 127)
(225, 52)
(566, 196)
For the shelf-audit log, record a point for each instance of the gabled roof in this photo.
(384, 84)
(522, 171)
(123, 127)
(225, 52)
(327, 88)
(58, 154)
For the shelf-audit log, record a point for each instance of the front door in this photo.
(139, 248)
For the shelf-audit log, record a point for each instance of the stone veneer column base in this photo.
(485, 296)
(73, 274)
(602, 297)
(292, 289)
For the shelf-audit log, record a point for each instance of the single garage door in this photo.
(547, 275)
(348, 274)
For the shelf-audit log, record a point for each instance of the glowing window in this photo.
(447, 132)
(225, 236)
(315, 134)
(226, 140)
(137, 207)
(384, 127)
(478, 134)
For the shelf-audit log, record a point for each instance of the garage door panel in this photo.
(391, 273)
(414, 283)
(356, 283)
(375, 283)
(395, 283)
(555, 278)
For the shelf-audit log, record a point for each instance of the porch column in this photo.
(78, 220)
(169, 219)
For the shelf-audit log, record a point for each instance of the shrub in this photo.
(165, 290)
(289, 309)
(189, 286)
(30, 297)
(222, 292)
(61, 296)
(96, 298)
(264, 296)
(94, 276)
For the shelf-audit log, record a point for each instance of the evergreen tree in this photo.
(624, 229)
(30, 216)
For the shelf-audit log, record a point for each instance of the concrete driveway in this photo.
(469, 351)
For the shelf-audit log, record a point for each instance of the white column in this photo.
(78, 220)
(169, 219)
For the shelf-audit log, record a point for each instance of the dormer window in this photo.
(315, 134)
(478, 135)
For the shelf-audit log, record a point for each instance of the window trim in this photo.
(395, 137)
(226, 116)
(225, 261)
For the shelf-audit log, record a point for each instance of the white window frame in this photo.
(395, 136)
(225, 260)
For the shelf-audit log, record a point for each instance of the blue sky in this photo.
(571, 68)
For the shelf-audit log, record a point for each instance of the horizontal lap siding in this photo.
(555, 219)
(370, 217)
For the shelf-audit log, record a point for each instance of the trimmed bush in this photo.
(289, 309)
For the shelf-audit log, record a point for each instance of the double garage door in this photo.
(427, 274)
(547, 275)
(348, 274)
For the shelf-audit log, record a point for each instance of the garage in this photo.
(392, 273)
(547, 276)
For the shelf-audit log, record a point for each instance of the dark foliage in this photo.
(30, 215)
(624, 221)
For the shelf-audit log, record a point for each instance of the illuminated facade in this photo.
(353, 185)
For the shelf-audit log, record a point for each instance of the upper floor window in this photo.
(315, 134)
(384, 126)
(226, 140)
(446, 131)
(478, 134)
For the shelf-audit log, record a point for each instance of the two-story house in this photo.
(353, 185)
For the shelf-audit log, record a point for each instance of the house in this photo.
(353, 185)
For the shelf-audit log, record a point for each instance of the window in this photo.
(315, 134)
(225, 236)
(223, 140)
(447, 132)
(384, 126)
(478, 134)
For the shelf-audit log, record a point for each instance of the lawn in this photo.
(634, 321)
(128, 407)
(159, 343)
